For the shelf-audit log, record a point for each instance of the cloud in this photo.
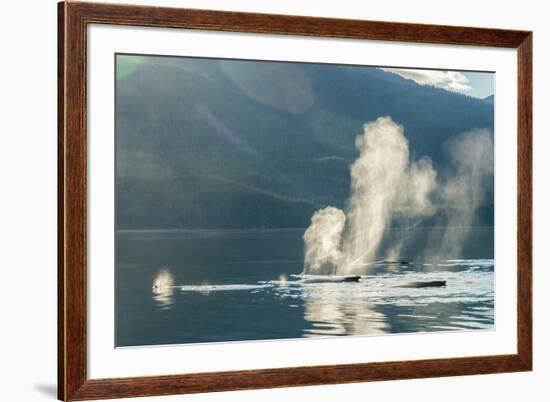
(450, 80)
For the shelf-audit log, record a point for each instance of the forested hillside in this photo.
(234, 144)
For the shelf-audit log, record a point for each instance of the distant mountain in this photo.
(232, 144)
(489, 99)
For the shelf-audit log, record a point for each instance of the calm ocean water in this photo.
(239, 285)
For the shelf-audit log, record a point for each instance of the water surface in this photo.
(239, 286)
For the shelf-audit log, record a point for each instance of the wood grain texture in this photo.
(295, 25)
(60, 201)
(524, 201)
(74, 18)
(72, 230)
(299, 376)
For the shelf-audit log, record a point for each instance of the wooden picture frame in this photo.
(73, 381)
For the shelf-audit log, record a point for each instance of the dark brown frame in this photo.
(73, 383)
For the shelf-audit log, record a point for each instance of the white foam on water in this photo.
(222, 288)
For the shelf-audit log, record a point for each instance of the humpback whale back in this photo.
(426, 284)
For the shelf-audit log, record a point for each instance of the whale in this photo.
(423, 284)
(330, 279)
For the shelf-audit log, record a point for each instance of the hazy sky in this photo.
(483, 84)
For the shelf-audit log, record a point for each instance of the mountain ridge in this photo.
(270, 135)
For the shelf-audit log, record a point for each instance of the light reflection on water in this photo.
(377, 304)
(333, 310)
(197, 287)
(163, 289)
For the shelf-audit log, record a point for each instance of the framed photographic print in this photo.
(252, 201)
